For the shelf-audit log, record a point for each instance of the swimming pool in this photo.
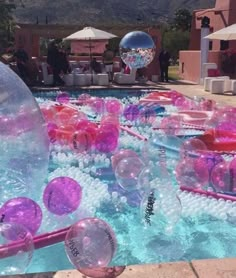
(206, 228)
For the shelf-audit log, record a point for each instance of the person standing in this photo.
(53, 59)
(164, 58)
(22, 59)
(108, 57)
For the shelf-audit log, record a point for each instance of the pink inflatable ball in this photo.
(97, 105)
(64, 116)
(192, 147)
(84, 99)
(64, 134)
(106, 141)
(79, 115)
(131, 112)
(174, 95)
(16, 248)
(83, 123)
(111, 119)
(63, 98)
(102, 272)
(90, 243)
(110, 127)
(48, 112)
(121, 154)
(222, 179)
(23, 211)
(88, 126)
(52, 132)
(209, 160)
(208, 105)
(62, 195)
(232, 171)
(127, 172)
(171, 125)
(113, 106)
(183, 103)
(227, 126)
(192, 173)
(81, 141)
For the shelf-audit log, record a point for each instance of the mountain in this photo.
(102, 12)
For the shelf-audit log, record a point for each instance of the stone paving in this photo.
(214, 268)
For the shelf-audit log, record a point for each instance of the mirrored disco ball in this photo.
(137, 49)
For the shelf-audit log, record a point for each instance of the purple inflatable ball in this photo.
(23, 211)
(63, 97)
(62, 195)
(131, 112)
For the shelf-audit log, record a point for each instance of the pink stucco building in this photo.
(222, 15)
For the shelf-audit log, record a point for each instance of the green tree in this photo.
(174, 41)
(182, 20)
(6, 23)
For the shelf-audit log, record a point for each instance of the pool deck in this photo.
(185, 87)
(212, 268)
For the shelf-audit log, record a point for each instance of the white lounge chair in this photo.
(124, 78)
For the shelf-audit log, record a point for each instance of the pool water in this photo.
(206, 229)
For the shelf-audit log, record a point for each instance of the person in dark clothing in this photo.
(53, 59)
(164, 58)
(95, 66)
(22, 59)
(108, 57)
(63, 62)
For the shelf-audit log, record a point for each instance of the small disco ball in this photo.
(137, 49)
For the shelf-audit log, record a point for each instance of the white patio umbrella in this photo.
(226, 34)
(90, 34)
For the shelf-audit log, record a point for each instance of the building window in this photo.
(224, 45)
(210, 45)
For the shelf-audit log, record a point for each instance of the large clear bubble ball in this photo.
(137, 49)
(16, 248)
(161, 210)
(90, 242)
(24, 140)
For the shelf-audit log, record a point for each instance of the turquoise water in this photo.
(209, 232)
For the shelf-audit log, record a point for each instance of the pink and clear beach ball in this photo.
(113, 106)
(222, 179)
(127, 172)
(192, 173)
(90, 243)
(102, 272)
(121, 154)
(97, 105)
(171, 125)
(192, 147)
(17, 249)
(81, 141)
